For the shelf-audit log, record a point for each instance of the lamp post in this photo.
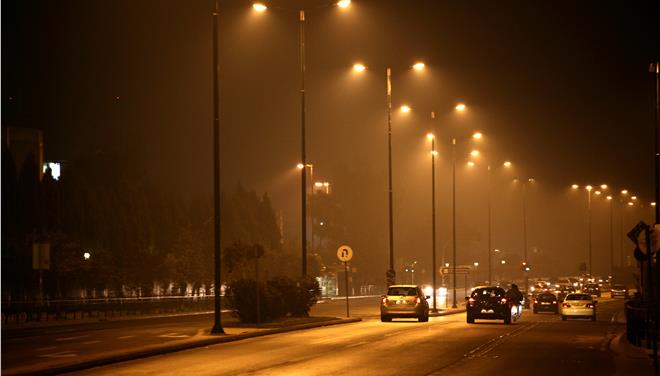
(311, 215)
(433, 267)
(610, 200)
(524, 220)
(388, 94)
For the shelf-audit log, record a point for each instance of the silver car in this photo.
(404, 301)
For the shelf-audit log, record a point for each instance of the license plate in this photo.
(545, 303)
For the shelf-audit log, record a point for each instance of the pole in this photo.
(256, 276)
(453, 214)
(389, 165)
(657, 141)
(303, 171)
(433, 266)
(311, 199)
(346, 284)
(621, 218)
(524, 207)
(589, 229)
(611, 237)
(490, 249)
(217, 325)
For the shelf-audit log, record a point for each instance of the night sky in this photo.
(560, 88)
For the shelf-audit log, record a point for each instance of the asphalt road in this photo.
(538, 344)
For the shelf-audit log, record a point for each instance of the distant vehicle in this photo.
(592, 289)
(619, 291)
(562, 291)
(604, 286)
(404, 301)
(488, 302)
(546, 302)
(578, 305)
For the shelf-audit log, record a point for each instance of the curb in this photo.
(164, 349)
(446, 313)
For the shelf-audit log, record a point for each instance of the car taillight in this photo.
(384, 300)
(503, 301)
(536, 301)
(418, 300)
(566, 305)
(471, 300)
(589, 305)
(554, 302)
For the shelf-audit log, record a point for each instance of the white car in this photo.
(578, 305)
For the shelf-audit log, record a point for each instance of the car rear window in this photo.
(546, 297)
(492, 292)
(619, 287)
(578, 297)
(402, 291)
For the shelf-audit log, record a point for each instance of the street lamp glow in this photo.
(597, 193)
(507, 164)
(470, 164)
(474, 153)
(344, 3)
(326, 184)
(318, 184)
(405, 109)
(609, 197)
(575, 186)
(259, 7)
(503, 262)
(434, 152)
(460, 107)
(476, 263)
(603, 186)
(624, 192)
(633, 198)
(653, 204)
(87, 255)
(631, 203)
(359, 67)
(588, 187)
(419, 66)
(300, 166)
(430, 136)
(477, 135)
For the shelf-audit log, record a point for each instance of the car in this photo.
(546, 302)
(579, 305)
(563, 291)
(404, 301)
(619, 290)
(592, 289)
(488, 302)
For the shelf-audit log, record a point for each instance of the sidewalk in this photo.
(630, 359)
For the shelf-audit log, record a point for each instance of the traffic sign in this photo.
(344, 253)
(457, 270)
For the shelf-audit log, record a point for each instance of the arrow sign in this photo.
(637, 231)
(344, 253)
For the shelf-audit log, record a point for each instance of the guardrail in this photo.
(24, 311)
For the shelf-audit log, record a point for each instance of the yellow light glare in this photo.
(597, 193)
(575, 186)
(359, 67)
(326, 184)
(653, 204)
(318, 184)
(624, 192)
(507, 164)
(300, 166)
(630, 204)
(609, 197)
(434, 152)
(474, 153)
(633, 198)
(603, 186)
(430, 136)
(477, 135)
(419, 66)
(259, 7)
(460, 107)
(344, 3)
(588, 187)
(470, 164)
(405, 109)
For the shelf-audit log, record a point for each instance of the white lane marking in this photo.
(61, 354)
(174, 335)
(69, 338)
(46, 348)
(357, 344)
(90, 342)
(125, 337)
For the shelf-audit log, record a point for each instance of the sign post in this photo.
(345, 254)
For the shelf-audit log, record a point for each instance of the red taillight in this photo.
(471, 300)
(536, 301)
(554, 302)
(589, 305)
(503, 301)
(384, 300)
(566, 305)
(419, 300)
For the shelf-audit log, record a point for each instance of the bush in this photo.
(279, 297)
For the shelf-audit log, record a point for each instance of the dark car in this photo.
(592, 289)
(619, 291)
(488, 303)
(546, 302)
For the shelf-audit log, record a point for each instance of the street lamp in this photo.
(86, 256)
(588, 188)
(419, 66)
(524, 217)
(259, 7)
(431, 137)
(300, 166)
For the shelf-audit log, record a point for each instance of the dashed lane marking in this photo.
(174, 335)
(126, 337)
(90, 342)
(61, 354)
(69, 338)
(357, 344)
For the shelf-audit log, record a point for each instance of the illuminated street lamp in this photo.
(86, 256)
(418, 66)
(524, 214)
(431, 138)
(460, 107)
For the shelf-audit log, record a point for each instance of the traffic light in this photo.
(525, 267)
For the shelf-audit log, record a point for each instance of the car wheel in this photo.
(593, 318)
(384, 318)
(423, 318)
(507, 319)
(563, 317)
(470, 319)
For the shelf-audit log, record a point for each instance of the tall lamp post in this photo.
(388, 93)
(301, 166)
(431, 137)
(259, 7)
(526, 266)
(588, 188)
